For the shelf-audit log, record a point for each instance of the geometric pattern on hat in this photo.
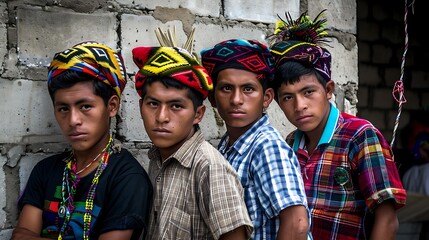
(306, 53)
(248, 55)
(172, 62)
(92, 58)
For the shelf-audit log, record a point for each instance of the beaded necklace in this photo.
(69, 183)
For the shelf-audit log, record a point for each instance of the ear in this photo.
(268, 97)
(199, 114)
(330, 87)
(113, 105)
(212, 98)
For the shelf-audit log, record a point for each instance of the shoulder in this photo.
(124, 162)
(52, 162)
(208, 159)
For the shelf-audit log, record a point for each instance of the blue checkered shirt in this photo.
(270, 174)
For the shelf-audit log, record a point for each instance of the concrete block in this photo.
(140, 31)
(343, 20)
(413, 100)
(207, 35)
(131, 125)
(368, 31)
(6, 233)
(200, 7)
(363, 96)
(26, 165)
(3, 34)
(368, 75)
(374, 116)
(382, 98)
(260, 10)
(381, 54)
(30, 113)
(41, 33)
(278, 120)
(425, 101)
(344, 63)
(391, 75)
(420, 79)
(3, 214)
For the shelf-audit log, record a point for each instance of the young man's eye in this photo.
(247, 89)
(86, 107)
(287, 98)
(62, 109)
(308, 92)
(152, 104)
(226, 88)
(176, 106)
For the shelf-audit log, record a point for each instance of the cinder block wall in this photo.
(31, 31)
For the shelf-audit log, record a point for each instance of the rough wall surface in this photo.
(31, 31)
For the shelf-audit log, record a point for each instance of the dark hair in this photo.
(289, 73)
(196, 97)
(69, 78)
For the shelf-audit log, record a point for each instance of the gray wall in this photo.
(32, 31)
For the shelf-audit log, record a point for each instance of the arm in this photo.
(293, 223)
(29, 224)
(117, 234)
(385, 222)
(236, 234)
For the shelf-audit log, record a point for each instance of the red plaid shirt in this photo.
(347, 176)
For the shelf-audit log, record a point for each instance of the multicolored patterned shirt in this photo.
(349, 174)
(197, 194)
(269, 173)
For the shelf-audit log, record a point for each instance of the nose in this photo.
(300, 103)
(75, 117)
(162, 115)
(237, 97)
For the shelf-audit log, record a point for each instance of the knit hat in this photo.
(173, 62)
(298, 40)
(249, 55)
(94, 59)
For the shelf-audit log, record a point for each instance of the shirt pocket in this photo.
(179, 226)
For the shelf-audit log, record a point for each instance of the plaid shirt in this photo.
(197, 194)
(347, 176)
(269, 173)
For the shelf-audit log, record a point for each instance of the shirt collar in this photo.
(240, 144)
(184, 154)
(328, 131)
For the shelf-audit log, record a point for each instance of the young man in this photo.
(268, 168)
(93, 191)
(197, 193)
(350, 177)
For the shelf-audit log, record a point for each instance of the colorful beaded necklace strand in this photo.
(70, 181)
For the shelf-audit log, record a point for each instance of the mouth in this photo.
(236, 113)
(76, 135)
(303, 118)
(161, 130)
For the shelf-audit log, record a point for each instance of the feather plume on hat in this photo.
(301, 40)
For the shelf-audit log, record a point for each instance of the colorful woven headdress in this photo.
(94, 59)
(248, 55)
(173, 62)
(299, 40)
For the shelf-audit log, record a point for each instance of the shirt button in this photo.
(158, 179)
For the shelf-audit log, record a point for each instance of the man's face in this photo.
(83, 117)
(240, 99)
(168, 116)
(306, 103)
